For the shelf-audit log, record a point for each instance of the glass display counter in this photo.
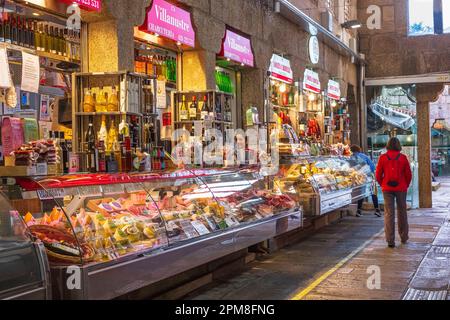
(23, 264)
(122, 232)
(324, 184)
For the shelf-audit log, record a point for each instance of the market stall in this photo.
(120, 228)
(325, 183)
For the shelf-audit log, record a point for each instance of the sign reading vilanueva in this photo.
(171, 22)
(238, 48)
(334, 90)
(95, 5)
(280, 69)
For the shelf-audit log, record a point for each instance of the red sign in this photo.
(168, 20)
(95, 5)
(334, 90)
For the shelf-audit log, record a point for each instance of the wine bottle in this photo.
(2, 27)
(183, 110)
(52, 40)
(228, 114)
(103, 132)
(205, 108)
(46, 40)
(37, 37)
(65, 152)
(7, 27)
(14, 35)
(90, 149)
(20, 33)
(193, 109)
(62, 43)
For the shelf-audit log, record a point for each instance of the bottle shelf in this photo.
(43, 54)
(112, 113)
(193, 121)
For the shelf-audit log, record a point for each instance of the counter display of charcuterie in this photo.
(117, 228)
(324, 184)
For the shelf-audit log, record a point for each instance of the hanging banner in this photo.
(169, 21)
(311, 81)
(237, 48)
(91, 5)
(280, 69)
(334, 90)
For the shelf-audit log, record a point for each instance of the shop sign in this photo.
(169, 21)
(95, 5)
(314, 49)
(311, 81)
(238, 48)
(334, 90)
(280, 69)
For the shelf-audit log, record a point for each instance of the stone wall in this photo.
(270, 33)
(391, 52)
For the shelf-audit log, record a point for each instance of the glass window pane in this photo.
(446, 15)
(421, 17)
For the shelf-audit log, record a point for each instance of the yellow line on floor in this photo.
(323, 277)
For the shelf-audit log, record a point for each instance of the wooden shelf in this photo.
(42, 54)
(112, 113)
(192, 121)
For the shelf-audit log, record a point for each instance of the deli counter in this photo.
(324, 184)
(107, 235)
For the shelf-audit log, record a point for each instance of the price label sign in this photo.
(51, 194)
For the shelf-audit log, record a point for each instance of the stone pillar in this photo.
(198, 70)
(110, 35)
(425, 94)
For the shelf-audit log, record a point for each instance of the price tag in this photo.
(113, 188)
(188, 229)
(200, 227)
(91, 191)
(231, 221)
(51, 194)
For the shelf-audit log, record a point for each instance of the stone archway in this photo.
(426, 93)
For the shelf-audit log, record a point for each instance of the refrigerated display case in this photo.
(24, 272)
(119, 233)
(325, 184)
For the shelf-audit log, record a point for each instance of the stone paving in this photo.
(339, 261)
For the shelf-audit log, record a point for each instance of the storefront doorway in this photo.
(391, 112)
(440, 134)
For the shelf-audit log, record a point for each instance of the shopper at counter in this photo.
(357, 152)
(394, 176)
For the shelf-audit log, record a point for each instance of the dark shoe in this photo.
(391, 246)
(404, 242)
(378, 213)
(358, 213)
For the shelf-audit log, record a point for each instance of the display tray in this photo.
(117, 278)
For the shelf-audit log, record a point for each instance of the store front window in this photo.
(392, 112)
(421, 19)
(440, 134)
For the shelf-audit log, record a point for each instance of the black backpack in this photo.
(394, 183)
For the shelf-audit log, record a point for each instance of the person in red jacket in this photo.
(394, 176)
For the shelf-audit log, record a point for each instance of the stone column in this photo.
(425, 94)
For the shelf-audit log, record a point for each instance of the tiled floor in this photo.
(342, 261)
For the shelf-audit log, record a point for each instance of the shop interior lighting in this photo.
(333, 103)
(178, 43)
(156, 35)
(228, 59)
(311, 97)
(283, 88)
